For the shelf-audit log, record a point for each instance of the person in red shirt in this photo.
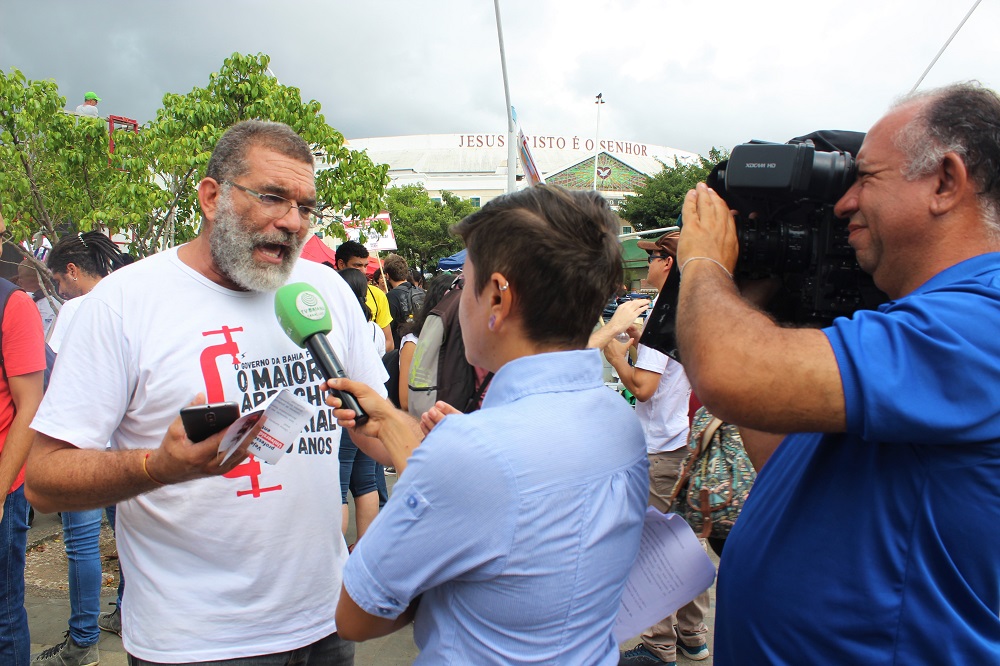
(22, 347)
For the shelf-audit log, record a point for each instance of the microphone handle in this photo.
(330, 365)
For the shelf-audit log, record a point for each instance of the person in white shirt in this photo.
(89, 106)
(225, 558)
(663, 394)
(78, 263)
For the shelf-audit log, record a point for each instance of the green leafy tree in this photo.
(421, 224)
(55, 174)
(53, 166)
(174, 150)
(659, 202)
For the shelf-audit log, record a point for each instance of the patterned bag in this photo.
(715, 479)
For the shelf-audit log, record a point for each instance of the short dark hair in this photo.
(92, 252)
(350, 249)
(559, 251)
(963, 118)
(228, 160)
(396, 268)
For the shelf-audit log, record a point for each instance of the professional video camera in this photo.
(787, 231)
(785, 195)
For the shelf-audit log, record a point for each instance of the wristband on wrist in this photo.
(687, 261)
(146, 471)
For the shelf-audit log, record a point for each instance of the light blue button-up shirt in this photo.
(518, 523)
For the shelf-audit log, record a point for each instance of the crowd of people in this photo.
(865, 539)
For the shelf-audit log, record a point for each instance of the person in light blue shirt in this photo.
(511, 531)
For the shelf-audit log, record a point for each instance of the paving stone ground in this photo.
(47, 601)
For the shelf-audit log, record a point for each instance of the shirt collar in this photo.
(978, 265)
(551, 372)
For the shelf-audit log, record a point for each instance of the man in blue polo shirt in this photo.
(870, 534)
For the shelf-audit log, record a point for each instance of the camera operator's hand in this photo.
(708, 230)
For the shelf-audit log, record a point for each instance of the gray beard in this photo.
(233, 245)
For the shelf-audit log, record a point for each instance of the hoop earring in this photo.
(492, 322)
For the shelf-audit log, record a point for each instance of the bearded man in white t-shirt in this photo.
(224, 560)
(662, 396)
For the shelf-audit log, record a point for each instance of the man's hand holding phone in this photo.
(180, 459)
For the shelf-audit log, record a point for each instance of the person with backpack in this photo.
(404, 298)
(436, 290)
(527, 562)
(22, 350)
(78, 262)
(440, 370)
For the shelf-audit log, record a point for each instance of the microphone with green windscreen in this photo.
(304, 317)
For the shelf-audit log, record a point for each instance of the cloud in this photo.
(686, 75)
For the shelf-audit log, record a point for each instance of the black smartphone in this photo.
(203, 421)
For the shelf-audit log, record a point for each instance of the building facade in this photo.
(474, 166)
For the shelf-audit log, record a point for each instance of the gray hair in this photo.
(228, 160)
(963, 118)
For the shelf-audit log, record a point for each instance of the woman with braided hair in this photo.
(78, 262)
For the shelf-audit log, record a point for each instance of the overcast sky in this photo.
(688, 75)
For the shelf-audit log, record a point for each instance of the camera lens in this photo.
(832, 174)
(769, 247)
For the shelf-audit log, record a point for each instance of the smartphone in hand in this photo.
(203, 421)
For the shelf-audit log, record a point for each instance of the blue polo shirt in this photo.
(881, 545)
(517, 523)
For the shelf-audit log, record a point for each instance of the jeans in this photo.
(329, 651)
(112, 513)
(15, 645)
(357, 469)
(82, 534)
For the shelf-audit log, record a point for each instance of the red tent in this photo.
(318, 251)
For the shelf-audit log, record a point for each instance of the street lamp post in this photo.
(597, 135)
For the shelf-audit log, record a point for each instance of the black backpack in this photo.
(408, 304)
(6, 289)
(439, 370)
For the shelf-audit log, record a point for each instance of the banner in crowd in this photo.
(375, 241)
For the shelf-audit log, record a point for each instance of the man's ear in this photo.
(209, 191)
(952, 184)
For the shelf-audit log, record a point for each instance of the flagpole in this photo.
(511, 147)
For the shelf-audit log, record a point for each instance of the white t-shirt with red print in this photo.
(244, 564)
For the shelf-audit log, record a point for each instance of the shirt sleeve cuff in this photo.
(368, 592)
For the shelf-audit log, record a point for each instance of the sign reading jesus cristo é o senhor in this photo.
(554, 142)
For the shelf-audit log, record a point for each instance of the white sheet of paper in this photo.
(672, 569)
(286, 415)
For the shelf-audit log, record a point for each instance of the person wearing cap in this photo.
(662, 394)
(89, 106)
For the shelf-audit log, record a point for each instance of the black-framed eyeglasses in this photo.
(653, 257)
(277, 207)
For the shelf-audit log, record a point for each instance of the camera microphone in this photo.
(305, 318)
